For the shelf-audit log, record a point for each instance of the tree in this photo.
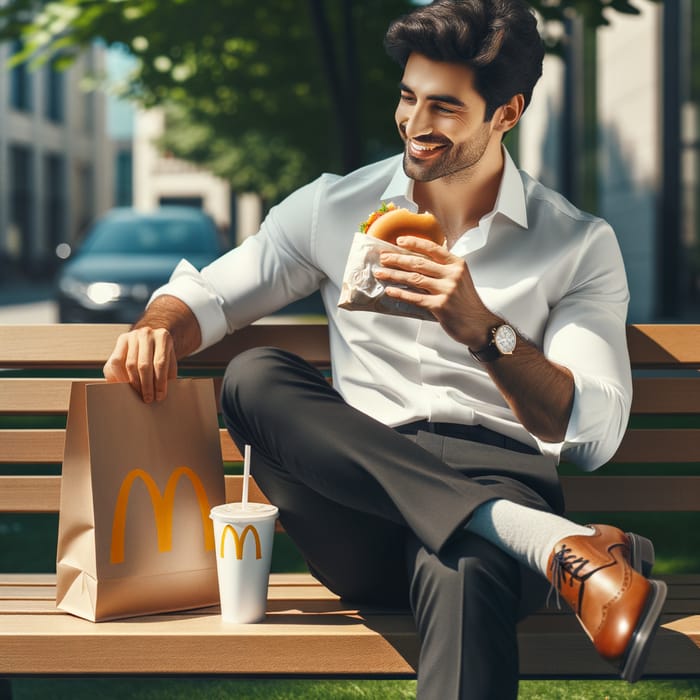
(267, 94)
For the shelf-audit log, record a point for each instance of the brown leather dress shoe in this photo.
(618, 608)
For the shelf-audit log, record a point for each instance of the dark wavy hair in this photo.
(497, 39)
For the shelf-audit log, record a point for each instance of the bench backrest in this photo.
(38, 363)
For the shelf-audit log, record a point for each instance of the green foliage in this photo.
(266, 94)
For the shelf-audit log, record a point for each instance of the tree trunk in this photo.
(342, 80)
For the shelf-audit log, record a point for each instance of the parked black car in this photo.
(125, 256)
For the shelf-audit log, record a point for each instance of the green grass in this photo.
(206, 689)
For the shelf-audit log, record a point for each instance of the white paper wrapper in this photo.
(361, 291)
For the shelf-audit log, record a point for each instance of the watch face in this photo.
(505, 339)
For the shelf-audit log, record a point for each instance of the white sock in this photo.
(527, 534)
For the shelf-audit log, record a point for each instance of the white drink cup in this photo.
(244, 535)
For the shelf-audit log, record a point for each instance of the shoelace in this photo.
(563, 562)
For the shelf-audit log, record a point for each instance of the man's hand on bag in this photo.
(147, 355)
(144, 357)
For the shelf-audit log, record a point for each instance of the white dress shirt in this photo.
(553, 272)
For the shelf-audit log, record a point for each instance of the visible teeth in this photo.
(424, 147)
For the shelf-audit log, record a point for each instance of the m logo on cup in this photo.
(239, 540)
(162, 510)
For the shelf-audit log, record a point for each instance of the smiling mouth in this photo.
(422, 149)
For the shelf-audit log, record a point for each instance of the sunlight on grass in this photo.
(206, 689)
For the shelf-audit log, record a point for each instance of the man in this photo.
(432, 472)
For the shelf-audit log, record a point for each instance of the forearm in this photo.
(540, 392)
(174, 316)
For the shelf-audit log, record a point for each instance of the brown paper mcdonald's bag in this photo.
(138, 482)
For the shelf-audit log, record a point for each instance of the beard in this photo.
(452, 161)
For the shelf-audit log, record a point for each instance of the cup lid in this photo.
(251, 511)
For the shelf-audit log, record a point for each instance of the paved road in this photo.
(34, 312)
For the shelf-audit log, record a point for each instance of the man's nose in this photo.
(418, 123)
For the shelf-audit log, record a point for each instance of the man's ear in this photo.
(508, 115)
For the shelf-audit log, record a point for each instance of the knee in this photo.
(250, 375)
(250, 368)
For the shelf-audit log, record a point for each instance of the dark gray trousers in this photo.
(379, 517)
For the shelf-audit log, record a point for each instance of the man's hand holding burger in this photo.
(438, 281)
(441, 283)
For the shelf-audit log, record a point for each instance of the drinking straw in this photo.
(246, 475)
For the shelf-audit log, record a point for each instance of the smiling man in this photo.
(431, 479)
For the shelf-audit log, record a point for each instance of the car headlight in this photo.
(103, 292)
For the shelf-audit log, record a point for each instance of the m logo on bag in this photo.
(239, 540)
(162, 510)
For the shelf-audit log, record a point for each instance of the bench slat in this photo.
(61, 345)
(659, 445)
(34, 396)
(89, 345)
(656, 395)
(632, 493)
(570, 655)
(58, 345)
(198, 643)
(663, 445)
(664, 345)
(303, 642)
(666, 395)
(40, 494)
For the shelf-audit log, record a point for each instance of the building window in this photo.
(54, 95)
(123, 194)
(21, 205)
(20, 83)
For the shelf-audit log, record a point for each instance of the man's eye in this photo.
(407, 98)
(444, 110)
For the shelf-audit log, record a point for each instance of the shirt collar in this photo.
(510, 200)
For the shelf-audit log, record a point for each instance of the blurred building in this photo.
(55, 160)
(614, 126)
(160, 178)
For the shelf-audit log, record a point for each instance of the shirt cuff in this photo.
(187, 284)
(597, 423)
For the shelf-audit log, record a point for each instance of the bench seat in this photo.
(308, 631)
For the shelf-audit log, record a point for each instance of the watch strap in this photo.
(488, 353)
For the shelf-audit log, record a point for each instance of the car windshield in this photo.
(151, 236)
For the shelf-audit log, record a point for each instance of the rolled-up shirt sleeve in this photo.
(266, 272)
(586, 333)
(189, 286)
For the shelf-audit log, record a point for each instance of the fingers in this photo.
(145, 358)
(420, 272)
(436, 252)
(115, 367)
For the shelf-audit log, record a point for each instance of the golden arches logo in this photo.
(162, 510)
(239, 540)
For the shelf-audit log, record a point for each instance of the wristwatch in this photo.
(503, 342)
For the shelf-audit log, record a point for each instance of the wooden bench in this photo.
(309, 631)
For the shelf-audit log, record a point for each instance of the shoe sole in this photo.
(633, 665)
(642, 555)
